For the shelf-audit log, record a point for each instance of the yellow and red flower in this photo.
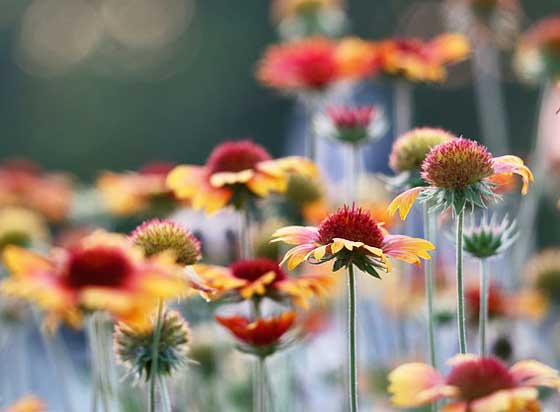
(474, 384)
(282, 9)
(130, 193)
(258, 278)
(350, 236)
(234, 169)
(357, 58)
(422, 61)
(460, 172)
(353, 125)
(104, 272)
(24, 184)
(29, 403)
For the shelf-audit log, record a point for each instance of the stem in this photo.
(483, 316)
(155, 356)
(259, 399)
(244, 231)
(165, 399)
(352, 173)
(429, 274)
(352, 367)
(310, 135)
(402, 107)
(460, 289)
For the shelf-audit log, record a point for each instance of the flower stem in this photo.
(429, 275)
(244, 231)
(155, 356)
(483, 315)
(402, 107)
(165, 399)
(260, 385)
(352, 367)
(460, 287)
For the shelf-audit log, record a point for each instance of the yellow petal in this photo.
(403, 202)
(21, 262)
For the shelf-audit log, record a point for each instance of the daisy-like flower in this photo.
(460, 173)
(130, 193)
(543, 271)
(489, 238)
(259, 278)
(474, 384)
(28, 403)
(24, 184)
(357, 58)
(350, 236)
(234, 170)
(422, 61)
(352, 125)
(104, 272)
(261, 337)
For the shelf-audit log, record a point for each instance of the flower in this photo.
(27, 403)
(104, 271)
(459, 173)
(258, 278)
(300, 66)
(351, 124)
(350, 236)
(21, 227)
(133, 347)
(263, 336)
(234, 170)
(302, 190)
(474, 384)
(357, 58)
(24, 184)
(489, 239)
(288, 8)
(421, 61)
(130, 193)
(156, 236)
(543, 271)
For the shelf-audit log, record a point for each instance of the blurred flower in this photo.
(357, 58)
(262, 337)
(27, 403)
(133, 347)
(543, 271)
(473, 384)
(489, 239)
(22, 183)
(130, 193)
(235, 170)
(538, 52)
(258, 278)
(289, 8)
(303, 190)
(261, 238)
(422, 61)
(105, 271)
(458, 173)
(21, 227)
(157, 236)
(350, 236)
(352, 125)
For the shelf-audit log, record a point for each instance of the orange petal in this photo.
(408, 382)
(403, 202)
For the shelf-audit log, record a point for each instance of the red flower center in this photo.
(353, 224)
(99, 266)
(253, 269)
(236, 156)
(351, 118)
(478, 378)
(457, 164)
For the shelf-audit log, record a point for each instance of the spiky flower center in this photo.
(236, 156)
(410, 150)
(253, 269)
(302, 189)
(478, 378)
(457, 164)
(351, 223)
(99, 266)
(351, 117)
(156, 236)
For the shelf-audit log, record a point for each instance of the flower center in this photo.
(156, 169)
(478, 378)
(351, 118)
(252, 270)
(353, 224)
(236, 156)
(99, 266)
(457, 164)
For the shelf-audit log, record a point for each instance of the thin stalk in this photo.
(352, 350)
(155, 356)
(260, 385)
(352, 173)
(402, 107)
(429, 275)
(165, 399)
(310, 136)
(244, 231)
(460, 287)
(483, 315)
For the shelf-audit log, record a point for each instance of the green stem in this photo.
(244, 231)
(259, 385)
(155, 356)
(165, 399)
(460, 287)
(429, 274)
(352, 366)
(483, 315)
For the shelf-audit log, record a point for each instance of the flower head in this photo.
(351, 124)
(21, 227)
(234, 170)
(27, 403)
(133, 347)
(350, 236)
(489, 238)
(543, 270)
(261, 337)
(258, 278)
(103, 272)
(302, 190)
(461, 172)
(474, 384)
(357, 58)
(156, 236)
